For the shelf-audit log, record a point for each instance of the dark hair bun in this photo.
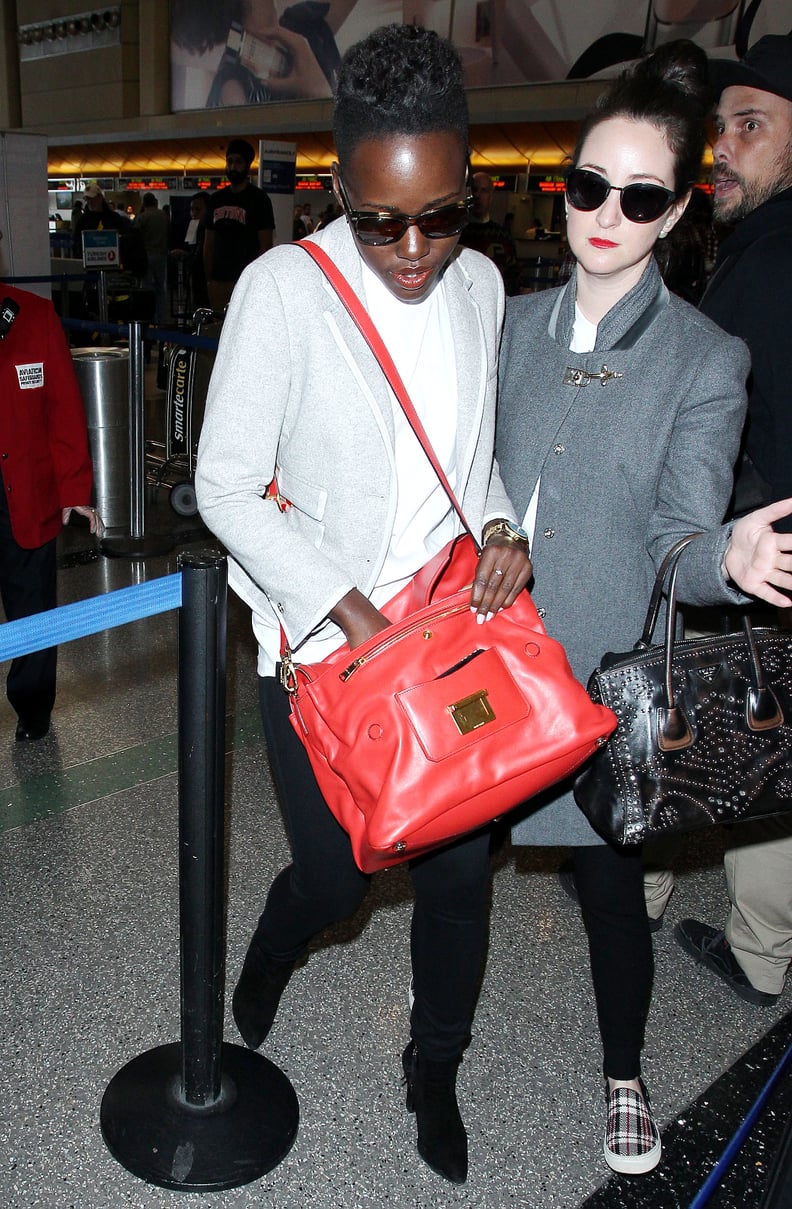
(682, 65)
(670, 90)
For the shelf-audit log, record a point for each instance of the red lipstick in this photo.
(412, 279)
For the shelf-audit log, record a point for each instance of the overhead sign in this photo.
(100, 250)
(277, 176)
(277, 166)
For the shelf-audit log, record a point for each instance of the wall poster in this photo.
(245, 52)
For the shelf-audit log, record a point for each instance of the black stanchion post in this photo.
(64, 296)
(137, 396)
(202, 628)
(101, 291)
(200, 1114)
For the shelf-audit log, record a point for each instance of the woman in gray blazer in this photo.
(297, 395)
(619, 422)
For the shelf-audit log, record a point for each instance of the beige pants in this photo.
(658, 887)
(759, 884)
(658, 858)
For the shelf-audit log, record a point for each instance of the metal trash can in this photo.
(103, 376)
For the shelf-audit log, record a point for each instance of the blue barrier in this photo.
(117, 330)
(738, 1139)
(85, 617)
(184, 338)
(121, 330)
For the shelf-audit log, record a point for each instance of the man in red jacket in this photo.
(46, 474)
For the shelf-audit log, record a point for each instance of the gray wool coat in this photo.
(297, 394)
(629, 463)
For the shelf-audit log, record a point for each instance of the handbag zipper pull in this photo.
(353, 666)
(388, 638)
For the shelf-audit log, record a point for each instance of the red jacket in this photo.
(44, 457)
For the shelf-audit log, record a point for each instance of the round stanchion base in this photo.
(152, 1132)
(135, 547)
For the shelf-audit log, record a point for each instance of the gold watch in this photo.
(508, 531)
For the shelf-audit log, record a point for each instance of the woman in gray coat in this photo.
(620, 415)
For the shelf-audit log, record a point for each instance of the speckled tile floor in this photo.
(89, 944)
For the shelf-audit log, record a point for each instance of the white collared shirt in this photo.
(418, 337)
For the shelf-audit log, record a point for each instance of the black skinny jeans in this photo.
(28, 586)
(324, 885)
(610, 887)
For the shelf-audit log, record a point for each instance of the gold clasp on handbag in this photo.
(472, 712)
(288, 673)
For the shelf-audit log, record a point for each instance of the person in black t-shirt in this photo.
(489, 237)
(239, 225)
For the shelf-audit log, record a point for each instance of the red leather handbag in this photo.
(436, 726)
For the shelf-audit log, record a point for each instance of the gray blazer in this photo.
(296, 394)
(629, 464)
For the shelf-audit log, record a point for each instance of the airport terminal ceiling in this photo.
(502, 147)
(532, 71)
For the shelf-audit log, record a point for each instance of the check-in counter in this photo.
(530, 249)
(539, 260)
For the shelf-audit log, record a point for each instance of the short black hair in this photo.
(670, 90)
(401, 79)
(241, 147)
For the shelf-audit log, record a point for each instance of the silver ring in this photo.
(497, 571)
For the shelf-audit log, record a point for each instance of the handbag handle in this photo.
(368, 331)
(674, 731)
(657, 591)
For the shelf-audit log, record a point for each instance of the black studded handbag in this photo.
(704, 731)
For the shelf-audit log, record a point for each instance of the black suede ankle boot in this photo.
(431, 1095)
(255, 1003)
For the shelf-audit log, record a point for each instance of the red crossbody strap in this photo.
(375, 342)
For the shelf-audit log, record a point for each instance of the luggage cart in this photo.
(171, 465)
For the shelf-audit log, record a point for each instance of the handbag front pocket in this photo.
(463, 706)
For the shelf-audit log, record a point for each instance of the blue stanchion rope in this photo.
(90, 616)
(737, 1141)
(121, 331)
(184, 338)
(118, 330)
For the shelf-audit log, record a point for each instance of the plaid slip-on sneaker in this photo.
(632, 1141)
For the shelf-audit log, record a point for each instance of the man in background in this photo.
(750, 295)
(492, 239)
(154, 227)
(239, 225)
(97, 216)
